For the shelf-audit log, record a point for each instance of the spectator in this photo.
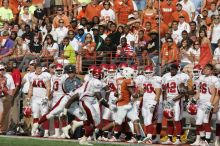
(25, 17)
(195, 52)
(50, 48)
(82, 13)
(28, 35)
(20, 50)
(122, 12)
(5, 14)
(115, 35)
(107, 14)
(60, 16)
(185, 56)
(148, 13)
(49, 30)
(169, 54)
(205, 48)
(125, 52)
(154, 46)
(61, 31)
(130, 38)
(213, 10)
(189, 7)
(160, 25)
(87, 52)
(97, 38)
(179, 11)
(102, 32)
(183, 25)
(215, 31)
(167, 8)
(30, 5)
(69, 52)
(81, 35)
(7, 45)
(73, 41)
(106, 51)
(95, 21)
(205, 17)
(92, 10)
(193, 30)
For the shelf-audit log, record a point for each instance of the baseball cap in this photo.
(178, 4)
(52, 65)
(95, 28)
(80, 27)
(60, 9)
(33, 62)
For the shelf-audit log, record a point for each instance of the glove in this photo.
(208, 108)
(44, 101)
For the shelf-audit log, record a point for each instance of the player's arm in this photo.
(101, 99)
(164, 91)
(214, 95)
(158, 93)
(73, 98)
(30, 92)
(48, 88)
(182, 92)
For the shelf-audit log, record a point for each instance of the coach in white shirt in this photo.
(61, 31)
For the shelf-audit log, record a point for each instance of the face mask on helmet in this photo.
(148, 71)
(58, 72)
(90, 70)
(196, 74)
(97, 73)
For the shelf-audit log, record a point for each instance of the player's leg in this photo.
(35, 107)
(43, 111)
(177, 120)
(159, 122)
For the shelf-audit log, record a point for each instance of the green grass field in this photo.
(28, 141)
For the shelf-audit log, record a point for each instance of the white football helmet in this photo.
(128, 73)
(59, 70)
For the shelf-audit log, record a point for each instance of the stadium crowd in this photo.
(55, 54)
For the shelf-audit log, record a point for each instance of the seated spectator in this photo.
(87, 53)
(124, 52)
(82, 13)
(169, 54)
(50, 48)
(26, 17)
(60, 15)
(107, 14)
(185, 53)
(61, 31)
(7, 45)
(20, 50)
(5, 13)
(153, 46)
(107, 51)
(68, 51)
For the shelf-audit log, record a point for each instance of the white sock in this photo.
(149, 135)
(46, 132)
(202, 133)
(208, 135)
(57, 131)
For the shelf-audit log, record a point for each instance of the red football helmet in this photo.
(197, 71)
(97, 73)
(149, 71)
(168, 113)
(91, 68)
(59, 69)
(192, 109)
(122, 66)
(27, 111)
(112, 69)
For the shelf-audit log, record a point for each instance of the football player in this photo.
(151, 97)
(173, 91)
(206, 99)
(39, 93)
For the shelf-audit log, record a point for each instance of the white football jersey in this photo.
(149, 88)
(111, 82)
(87, 77)
(90, 88)
(140, 80)
(57, 85)
(39, 84)
(205, 82)
(172, 82)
